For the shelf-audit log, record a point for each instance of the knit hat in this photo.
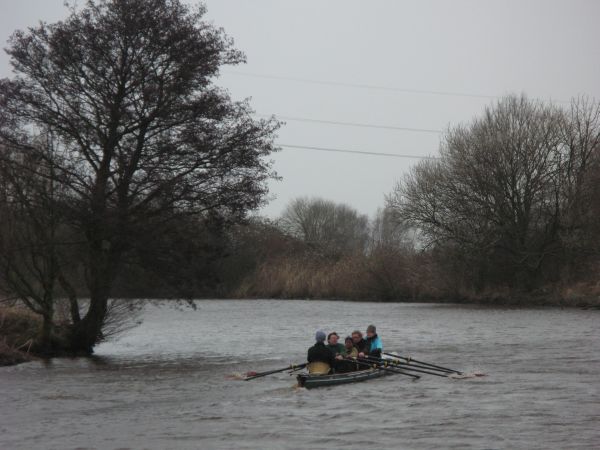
(320, 336)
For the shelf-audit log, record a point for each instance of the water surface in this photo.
(164, 384)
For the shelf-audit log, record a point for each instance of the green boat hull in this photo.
(312, 381)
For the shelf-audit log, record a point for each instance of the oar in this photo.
(297, 368)
(425, 363)
(253, 375)
(419, 366)
(404, 366)
(378, 367)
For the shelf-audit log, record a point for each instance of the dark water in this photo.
(164, 385)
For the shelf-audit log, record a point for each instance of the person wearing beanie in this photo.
(319, 353)
(320, 336)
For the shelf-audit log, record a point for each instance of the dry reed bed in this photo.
(18, 330)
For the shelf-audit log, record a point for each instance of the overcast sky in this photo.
(545, 49)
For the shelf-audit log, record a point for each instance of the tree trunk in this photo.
(73, 303)
(87, 332)
(46, 333)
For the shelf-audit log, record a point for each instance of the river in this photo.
(164, 384)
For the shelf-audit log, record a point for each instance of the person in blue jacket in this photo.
(374, 346)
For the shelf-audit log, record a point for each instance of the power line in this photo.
(360, 86)
(343, 150)
(372, 86)
(353, 124)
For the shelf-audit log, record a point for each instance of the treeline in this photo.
(510, 211)
(320, 249)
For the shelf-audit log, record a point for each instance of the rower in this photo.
(320, 358)
(359, 342)
(374, 346)
(351, 350)
(332, 344)
(346, 365)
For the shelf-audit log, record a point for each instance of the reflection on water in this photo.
(165, 384)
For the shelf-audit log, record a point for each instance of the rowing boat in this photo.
(312, 380)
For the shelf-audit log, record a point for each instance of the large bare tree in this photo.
(506, 188)
(126, 88)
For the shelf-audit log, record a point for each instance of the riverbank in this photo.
(350, 280)
(525, 301)
(19, 329)
(403, 277)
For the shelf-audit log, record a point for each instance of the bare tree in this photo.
(501, 187)
(333, 228)
(32, 232)
(578, 187)
(388, 232)
(126, 88)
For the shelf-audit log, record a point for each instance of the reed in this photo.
(384, 277)
(19, 329)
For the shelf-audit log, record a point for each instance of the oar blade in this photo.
(236, 376)
(466, 375)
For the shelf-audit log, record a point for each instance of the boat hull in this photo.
(312, 381)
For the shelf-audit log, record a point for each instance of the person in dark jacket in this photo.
(319, 352)
(359, 342)
(374, 346)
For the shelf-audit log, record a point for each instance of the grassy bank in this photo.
(19, 329)
(396, 278)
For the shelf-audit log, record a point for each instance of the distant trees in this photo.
(335, 229)
(145, 138)
(390, 266)
(323, 249)
(387, 232)
(511, 194)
